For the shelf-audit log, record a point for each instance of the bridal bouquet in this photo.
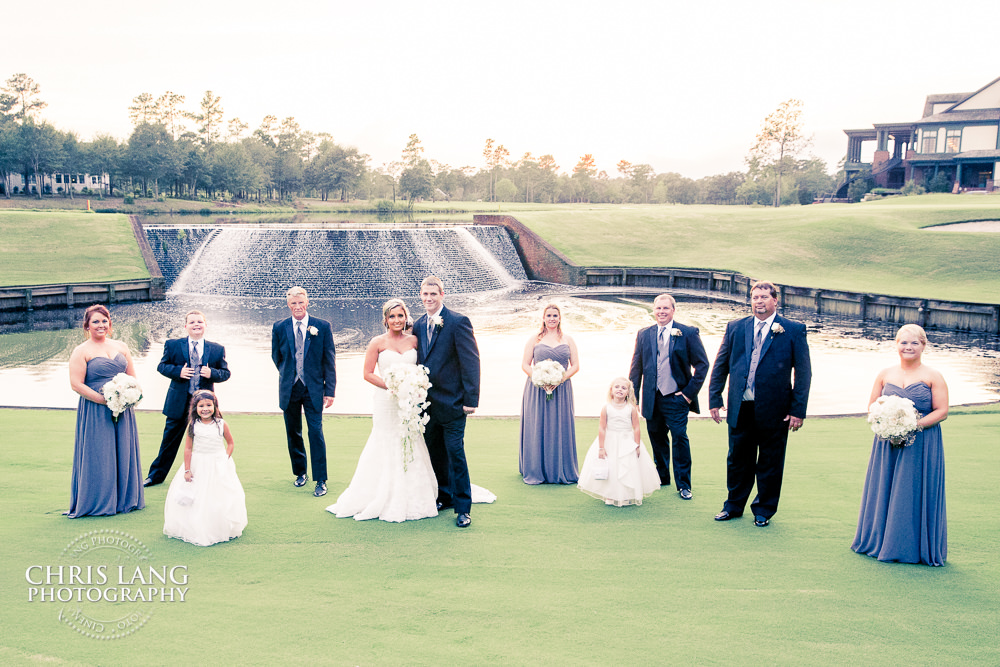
(121, 393)
(894, 418)
(547, 373)
(409, 385)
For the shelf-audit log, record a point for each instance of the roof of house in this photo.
(970, 116)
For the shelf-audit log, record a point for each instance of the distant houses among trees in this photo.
(199, 154)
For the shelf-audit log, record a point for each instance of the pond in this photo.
(846, 356)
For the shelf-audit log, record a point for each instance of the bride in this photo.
(382, 488)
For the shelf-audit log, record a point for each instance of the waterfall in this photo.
(333, 263)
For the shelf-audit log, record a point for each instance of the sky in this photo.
(683, 87)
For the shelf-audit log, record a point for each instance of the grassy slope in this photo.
(547, 575)
(67, 246)
(875, 247)
(871, 247)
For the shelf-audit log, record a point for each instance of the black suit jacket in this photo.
(776, 394)
(318, 362)
(452, 358)
(686, 353)
(177, 354)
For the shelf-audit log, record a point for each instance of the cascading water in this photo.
(333, 263)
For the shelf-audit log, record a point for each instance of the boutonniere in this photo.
(777, 329)
(676, 332)
(438, 322)
(313, 331)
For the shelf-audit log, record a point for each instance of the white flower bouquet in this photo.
(894, 418)
(547, 373)
(409, 385)
(121, 393)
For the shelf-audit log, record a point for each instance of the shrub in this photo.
(911, 188)
(859, 188)
(129, 199)
(940, 183)
(383, 206)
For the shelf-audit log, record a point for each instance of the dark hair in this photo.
(769, 286)
(96, 308)
(201, 395)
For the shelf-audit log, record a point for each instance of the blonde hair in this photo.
(194, 312)
(631, 391)
(296, 291)
(432, 281)
(665, 297)
(388, 306)
(547, 308)
(912, 329)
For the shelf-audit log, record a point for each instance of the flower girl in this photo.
(618, 469)
(205, 502)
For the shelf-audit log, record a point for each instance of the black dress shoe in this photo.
(320, 489)
(149, 482)
(463, 520)
(444, 506)
(760, 521)
(725, 515)
(685, 494)
(301, 480)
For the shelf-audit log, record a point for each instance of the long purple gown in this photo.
(548, 433)
(902, 514)
(107, 473)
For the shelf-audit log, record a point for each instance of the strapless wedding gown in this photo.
(381, 488)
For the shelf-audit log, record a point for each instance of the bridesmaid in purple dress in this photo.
(902, 516)
(107, 474)
(548, 434)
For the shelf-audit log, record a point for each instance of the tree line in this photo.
(199, 154)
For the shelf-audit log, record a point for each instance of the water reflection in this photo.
(846, 355)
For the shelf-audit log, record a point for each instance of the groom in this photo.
(446, 345)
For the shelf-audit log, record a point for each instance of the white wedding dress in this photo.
(381, 488)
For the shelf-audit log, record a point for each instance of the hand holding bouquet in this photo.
(547, 375)
(121, 393)
(894, 418)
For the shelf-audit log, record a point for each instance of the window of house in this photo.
(58, 178)
(74, 178)
(93, 180)
(928, 141)
(952, 140)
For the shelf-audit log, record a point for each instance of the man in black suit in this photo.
(670, 366)
(302, 350)
(760, 355)
(191, 363)
(446, 345)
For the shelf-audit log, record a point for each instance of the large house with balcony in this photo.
(958, 135)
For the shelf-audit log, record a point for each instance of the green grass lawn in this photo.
(67, 247)
(878, 247)
(546, 575)
(881, 247)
